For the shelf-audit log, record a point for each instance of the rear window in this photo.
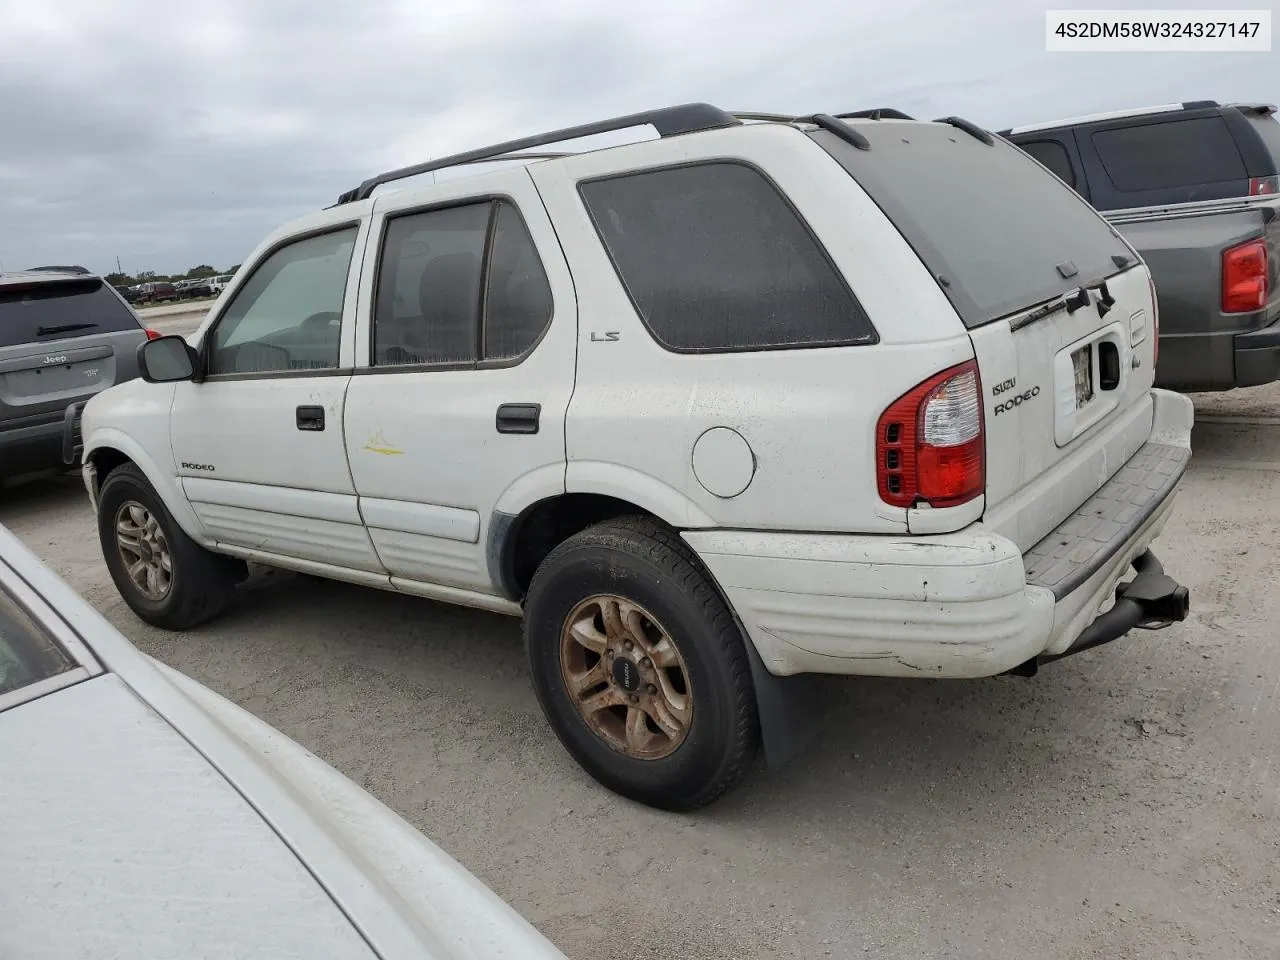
(996, 232)
(42, 311)
(716, 260)
(1177, 153)
(1054, 156)
(1269, 131)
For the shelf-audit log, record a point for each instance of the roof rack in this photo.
(878, 113)
(1111, 115)
(668, 121)
(824, 120)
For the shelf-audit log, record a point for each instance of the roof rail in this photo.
(668, 121)
(877, 113)
(972, 129)
(823, 120)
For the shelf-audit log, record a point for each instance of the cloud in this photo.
(170, 136)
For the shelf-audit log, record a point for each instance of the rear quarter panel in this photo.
(808, 415)
(1183, 251)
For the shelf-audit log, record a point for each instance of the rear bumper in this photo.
(965, 604)
(1257, 356)
(31, 449)
(1219, 360)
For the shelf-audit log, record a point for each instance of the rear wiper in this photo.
(63, 328)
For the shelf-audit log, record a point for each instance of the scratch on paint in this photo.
(379, 444)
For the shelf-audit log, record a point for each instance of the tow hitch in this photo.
(1150, 601)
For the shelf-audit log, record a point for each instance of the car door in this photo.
(465, 366)
(257, 439)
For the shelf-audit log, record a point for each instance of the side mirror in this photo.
(166, 360)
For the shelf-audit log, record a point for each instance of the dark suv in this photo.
(63, 338)
(1195, 188)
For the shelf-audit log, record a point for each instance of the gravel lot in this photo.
(1123, 804)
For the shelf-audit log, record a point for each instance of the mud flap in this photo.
(790, 710)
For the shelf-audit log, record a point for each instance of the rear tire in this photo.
(165, 577)
(640, 667)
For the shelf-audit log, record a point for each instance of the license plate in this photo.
(1082, 364)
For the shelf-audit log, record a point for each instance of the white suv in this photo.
(763, 396)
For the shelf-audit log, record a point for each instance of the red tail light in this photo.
(930, 443)
(1264, 186)
(153, 334)
(1244, 277)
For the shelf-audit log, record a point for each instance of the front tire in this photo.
(165, 577)
(640, 667)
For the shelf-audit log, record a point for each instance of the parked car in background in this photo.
(157, 292)
(130, 294)
(1195, 187)
(197, 288)
(175, 824)
(610, 392)
(218, 284)
(63, 338)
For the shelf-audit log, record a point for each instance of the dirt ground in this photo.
(1122, 804)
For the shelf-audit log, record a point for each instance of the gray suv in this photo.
(64, 336)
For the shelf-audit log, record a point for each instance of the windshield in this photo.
(996, 230)
(41, 311)
(27, 653)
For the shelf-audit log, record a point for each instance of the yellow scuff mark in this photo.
(379, 444)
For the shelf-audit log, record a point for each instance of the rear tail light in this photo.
(153, 334)
(930, 445)
(1264, 186)
(1155, 322)
(1244, 277)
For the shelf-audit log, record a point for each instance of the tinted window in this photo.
(428, 306)
(27, 654)
(42, 311)
(518, 296)
(986, 222)
(1269, 131)
(715, 259)
(1179, 153)
(1054, 156)
(428, 297)
(288, 315)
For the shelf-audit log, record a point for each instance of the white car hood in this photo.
(117, 838)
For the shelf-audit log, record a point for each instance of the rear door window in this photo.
(1176, 153)
(715, 259)
(37, 312)
(997, 234)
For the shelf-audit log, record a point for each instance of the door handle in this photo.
(518, 417)
(310, 418)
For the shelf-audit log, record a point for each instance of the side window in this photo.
(716, 260)
(428, 304)
(1179, 153)
(1054, 156)
(518, 296)
(288, 315)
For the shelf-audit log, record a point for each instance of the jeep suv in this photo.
(762, 396)
(63, 338)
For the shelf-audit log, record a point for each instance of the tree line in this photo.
(150, 276)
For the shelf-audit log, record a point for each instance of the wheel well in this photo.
(548, 523)
(107, 459)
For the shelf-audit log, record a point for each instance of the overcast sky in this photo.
(170, 135)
